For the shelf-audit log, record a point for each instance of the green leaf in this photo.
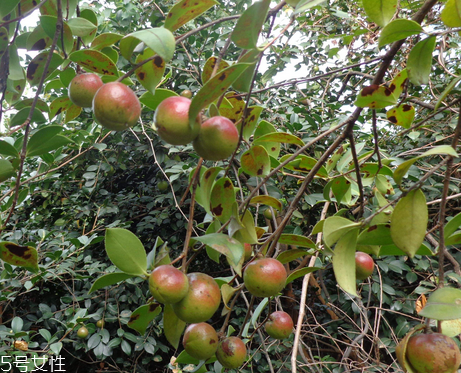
(36, 67)
(264, 127)
(59, 105)
(402, 115)
(420, 61)
(6, 170)
(446, 91)
(203, 192)
(81, 27)
(451, 13)
(443, 304)
(347, 157)
(214, 88)
(142, 316)
(95, 61)
(335, 227)
(40, 105)
(21, 256)
(300, 273)
(16, 72)
(296, 240)
(172, 326)
(249, 25)
(150, 74)
(153, 100)
(398, 29)
(247, 234)
(185, 11)
(340, 186)
(303, 163)
(452, 226)
(256, 161)
(292, 254)
(380, 11)
(105, 40)
(268, 201)
(126, 251)
(307, 4)
(65, 38)
(409, 222)
(159, 39)
(3, 40)
(209, 67)
(223, 244)
(46, 140)
(279, 137)
(344, 261)
(384, 185)
(394, 250)
(109, 279)
(7, 149)
(244, 81)
(251, 119)
(7, 6)
(375, 97)
(222, 199)
(379, 234)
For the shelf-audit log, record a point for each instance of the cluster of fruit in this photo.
(116, 107)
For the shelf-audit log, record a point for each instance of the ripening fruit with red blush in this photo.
(231, 352)
(279, 325)
(200, 341)
(83, 88)
(265, 277)
(168, 284)
(364, 265)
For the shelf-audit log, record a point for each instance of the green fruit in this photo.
(168, 284)
(171, 119)
(186, 93)
(162, 185)
(279, 325)
(218, 139)
(231, 352)
(201, 301)
(82, 332)
(265, 277)
(100, 323)
(83, 88)
(268, 214)
(6, 170)
(116, 107)
(200, 341)
(364, 265)
(432, 353)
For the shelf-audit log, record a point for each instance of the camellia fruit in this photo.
(201, 301)
(231, 352)
(200, 341)
(186, 93)
(171, 119)
(116, 106)
(432, 353)
(248, 250)
(100, 323)
(364, 265)
(265, 277)
(268, 214)
(218, 139)
(83, 88)
(82, 332)
(162, 185)
(279, 325)
(168, 284)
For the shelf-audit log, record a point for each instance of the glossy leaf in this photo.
(153, 100)
(38, 39)
(222, 199)
(247, 234)
(344, 261)
(394, 250)
(443, 304)
(292, 254)
(185, 11)
(159, 39)
(420, 61)
(340, 186)
(452, 226)
(65, 39)
(45, 140)
(249, 25)
(268, 201)
(401, 115)
(173, 327)
(142, 317)
(280, 137)
(16, 72)
(7, 6)
(303, 163)
(300, 273)
(244, 81)
(255, 161)
(380, 11)
(296, 240)
(6, 170)
(304, 5)
(223, 244)
(126, 251)
(21, 256)
(214, 88)
(106, 39)
(203, 192)
(335, 227)
(264, 128)
(409, 222)
(209, 67)
(81, 26)
(451, 14)
(251, 119)
(7, 149)
(379, 234)
(108, 279)
(40, 105)
(150, 74)
(36, 67)
(398, 29)
(95, 61)
(21, 116)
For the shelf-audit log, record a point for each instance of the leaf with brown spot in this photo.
(185, 11)
(150, 74)
(264, 128)
(340, 188)
(223, 244)
(142, 316)
(375, 97)
(209, 66)
(59, 105)
(402, 115)
(21, 256)
(249, 25)
(65, 38)
(14, 90)
(214, 88)
(72, 112)
(38, 39)
(222, 199)
(236, 110)
(95, 61)
(281, 137)
(105, 40)
(268, 201)
(36, 67)
(256, 161)
(303, 163)
(249, 125)
(203, 192)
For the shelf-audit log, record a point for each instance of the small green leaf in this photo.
(172, 326)
(223, 244)
(251, 119)
(222, 199)
(95, 61)
(384, 185)
(398, 29)
(443, 304)
(300, 273)
(307, 4)
(335, 227)
(142, 316)
(380, 11)
(420, 61)
(340, 186)
(209, 67)
(7, 149)
(203, 192)
(244, 81)
(247, 234)
(446, 91)
(296, 240)
(105, 40)
(17, 324)
(280, 137)
(16, 72)
(185, 11)
(153, 100)
(81, 27)
(452, 226)
(344, 261)
(255, 161)
(46, 139)
(7, 6)
(268, 201)
(451, 14)
(249, 25)
(126, 251)
(264, 128)
(21, 256)
(292, 254)
(6, 170)
(109, 279)
(36, 67)
(409, 222)
(150, 74)
(379, 234)
(401, 115)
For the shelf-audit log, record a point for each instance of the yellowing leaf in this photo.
(451, 13)
(402, 115)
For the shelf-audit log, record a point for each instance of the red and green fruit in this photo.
(364, 265)
(265, 277)
(200, 341)
(279, 325)
(83, 88)
(201, 301)
(432, 353)
(116, 106)
(82, 332)
(186, 93)
(168, 284)
(231, 352)
(248, 250)
(100, 323)
(218, 139)
(171, 119)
